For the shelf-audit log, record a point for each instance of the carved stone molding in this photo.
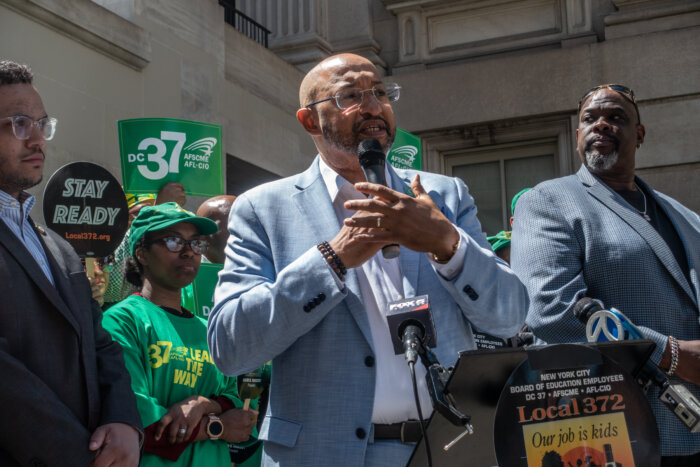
(636, 17)
(432, 31)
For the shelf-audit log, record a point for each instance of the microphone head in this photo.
(585, 307)
(412, 325)
(370, 152)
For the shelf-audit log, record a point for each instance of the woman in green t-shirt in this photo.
(187, 406)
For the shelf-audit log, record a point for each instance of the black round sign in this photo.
(584, 415)
(86, 205)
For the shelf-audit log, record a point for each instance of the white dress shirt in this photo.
(380, 283)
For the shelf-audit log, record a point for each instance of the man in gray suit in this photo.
(604, 233)
(305, 284)
(65, 392)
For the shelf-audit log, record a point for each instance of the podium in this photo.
(563, 404)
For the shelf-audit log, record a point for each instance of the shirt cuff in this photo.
(225, 403)
(450, 269)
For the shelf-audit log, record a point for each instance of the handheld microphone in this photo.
(373, 161)
(612, 325)
(410, 319)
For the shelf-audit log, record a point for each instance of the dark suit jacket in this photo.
(61, 375)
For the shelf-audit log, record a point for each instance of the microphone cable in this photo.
(411, 366)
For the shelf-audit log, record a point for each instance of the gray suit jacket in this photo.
(278, 300)
(575, 237)
(62, 376)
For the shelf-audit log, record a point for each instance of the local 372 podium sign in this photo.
(155, 151)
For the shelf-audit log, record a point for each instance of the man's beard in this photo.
(349, 143)
(11, 181)
(23, 183)
(598, 161)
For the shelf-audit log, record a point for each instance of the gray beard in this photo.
(598, 161)
(348, 143)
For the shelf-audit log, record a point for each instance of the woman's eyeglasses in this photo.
(177, 244)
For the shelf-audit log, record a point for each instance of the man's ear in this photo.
(641, 132)
(307, 118)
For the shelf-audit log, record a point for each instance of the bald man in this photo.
(305, 283)
(217, 209)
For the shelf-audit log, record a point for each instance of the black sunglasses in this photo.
(177, 244)
(618, 88)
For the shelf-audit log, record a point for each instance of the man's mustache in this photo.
(611, 138)
(356, 126)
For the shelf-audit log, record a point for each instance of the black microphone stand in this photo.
(436, 378)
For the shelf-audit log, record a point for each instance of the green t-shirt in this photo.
(168, 360)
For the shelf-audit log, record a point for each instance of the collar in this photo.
(26, 201)
(335, 182)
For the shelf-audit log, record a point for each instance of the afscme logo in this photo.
(205, 145)
(407, 153)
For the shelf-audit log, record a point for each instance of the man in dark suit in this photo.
(604, 233)
(65, 392)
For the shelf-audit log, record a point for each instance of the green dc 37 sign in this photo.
(155, 151)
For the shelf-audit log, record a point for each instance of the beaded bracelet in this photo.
(332, 259)
(674, 356)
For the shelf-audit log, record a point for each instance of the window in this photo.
(494, 175)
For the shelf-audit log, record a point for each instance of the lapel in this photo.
(621, 208)
(411, 261)
(17, 250)
(60, 270)
(316, 209)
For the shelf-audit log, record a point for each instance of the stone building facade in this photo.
(491, 86)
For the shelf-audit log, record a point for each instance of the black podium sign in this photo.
(591, 413)
(86, 205)
(480, 386)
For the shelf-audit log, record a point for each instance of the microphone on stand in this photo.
(410, 325)
(612, 325)
(605, 325)
(373, 161)
(412, 337)
(413, 331)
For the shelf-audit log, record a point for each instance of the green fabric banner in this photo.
(155, 151)
(406, 151)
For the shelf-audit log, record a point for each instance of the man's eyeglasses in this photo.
(22, 126)
(351, 97)
(620, 89)
(177, 244)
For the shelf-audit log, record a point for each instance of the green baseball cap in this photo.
(500, 240)
(161, 216)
